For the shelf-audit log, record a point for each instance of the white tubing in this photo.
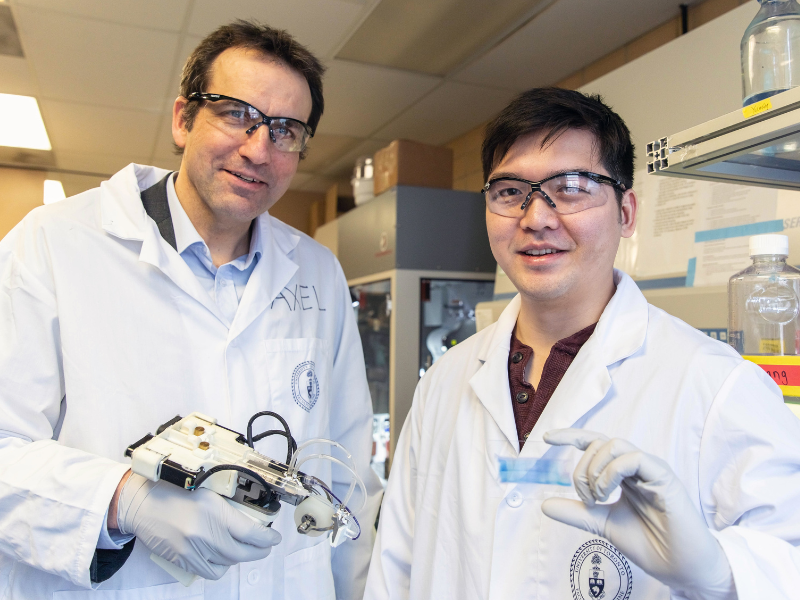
(294, 466)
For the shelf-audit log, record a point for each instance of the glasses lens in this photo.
(289, 135)
(234, 116)
(574, 193)
(504, 197)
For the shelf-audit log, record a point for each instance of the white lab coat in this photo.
(95, 305)
(450, 529)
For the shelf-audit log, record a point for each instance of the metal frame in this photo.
(701, 152)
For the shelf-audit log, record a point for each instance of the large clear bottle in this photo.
(771, 51)
(764, 301)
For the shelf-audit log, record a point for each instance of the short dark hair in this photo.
(251, 35)
(552, 111)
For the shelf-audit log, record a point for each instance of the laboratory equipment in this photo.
(763, 301)
(771, 51)
(195, 451)
(394, 250)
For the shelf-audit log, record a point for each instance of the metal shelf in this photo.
(759, 146)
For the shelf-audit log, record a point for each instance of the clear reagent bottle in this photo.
(771, 51)
(764, 301)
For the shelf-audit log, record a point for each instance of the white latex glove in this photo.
(653, 523)
(197, 531)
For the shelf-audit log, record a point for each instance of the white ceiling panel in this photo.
(447, 112)
(360, 99)
(156, 14)
(319, 24)
(565, 37)
(323, 149)
(107, 164)
(96, 129)
(344, 164)
(164, 144)
(84, 60)
(15, 78)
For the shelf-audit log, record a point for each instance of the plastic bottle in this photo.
(764, 301)
(771, 51)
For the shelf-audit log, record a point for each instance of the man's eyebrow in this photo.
(503, 174)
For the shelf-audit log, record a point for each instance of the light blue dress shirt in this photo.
(226, 283)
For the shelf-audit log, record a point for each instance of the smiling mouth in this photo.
(243, 177)
(542, 252)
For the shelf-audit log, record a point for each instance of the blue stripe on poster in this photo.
(690, 272)
(710, 235)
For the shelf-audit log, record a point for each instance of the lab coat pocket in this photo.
(169, 591)
(309, 575)
(299, 371)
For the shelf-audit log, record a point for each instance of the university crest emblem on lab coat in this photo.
(305, 386)
(599, 571)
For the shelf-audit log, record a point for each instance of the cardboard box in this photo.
(404, 162)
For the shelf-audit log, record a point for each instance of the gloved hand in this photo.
(198, 531)
(653, 523)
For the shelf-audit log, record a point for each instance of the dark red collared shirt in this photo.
(529, 403)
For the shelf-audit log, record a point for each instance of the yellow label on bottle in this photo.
(770, 347)
(757, 108)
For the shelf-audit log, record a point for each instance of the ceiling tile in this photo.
(324, 149)
(95, 163)
(156, 14)
(344, 165)
(80, 59)
(15, 78)
(359, 98)
(319, 24)
(449, 111)
(164, 145)
(433, 37)
(565, 37)
(96, 129)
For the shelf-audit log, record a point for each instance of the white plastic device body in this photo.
(186, 448)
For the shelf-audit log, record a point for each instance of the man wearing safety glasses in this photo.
(587, 445)
(165, 293)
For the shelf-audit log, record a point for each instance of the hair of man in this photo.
(250, 35)
(551, 111)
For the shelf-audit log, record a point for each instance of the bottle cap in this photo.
(769, 243)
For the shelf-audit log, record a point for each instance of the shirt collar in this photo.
(186, 234)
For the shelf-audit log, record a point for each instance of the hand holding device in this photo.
(199, 532)
(654, 523)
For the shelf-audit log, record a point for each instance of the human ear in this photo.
(627, 213)
(179, 125)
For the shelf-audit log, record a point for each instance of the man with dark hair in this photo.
(166, 293)
(587, 445)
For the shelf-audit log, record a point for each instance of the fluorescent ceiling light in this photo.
(21, 124)
(53, 191)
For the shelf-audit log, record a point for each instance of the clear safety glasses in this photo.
(238, 118)
(565, 193)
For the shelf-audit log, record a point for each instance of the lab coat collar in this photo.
(123, 216)
(273, 271)
(620, 333)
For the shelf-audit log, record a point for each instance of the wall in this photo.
(22, 190)
(467, 172)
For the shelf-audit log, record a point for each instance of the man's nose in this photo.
(538, 214)
(258, 146)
